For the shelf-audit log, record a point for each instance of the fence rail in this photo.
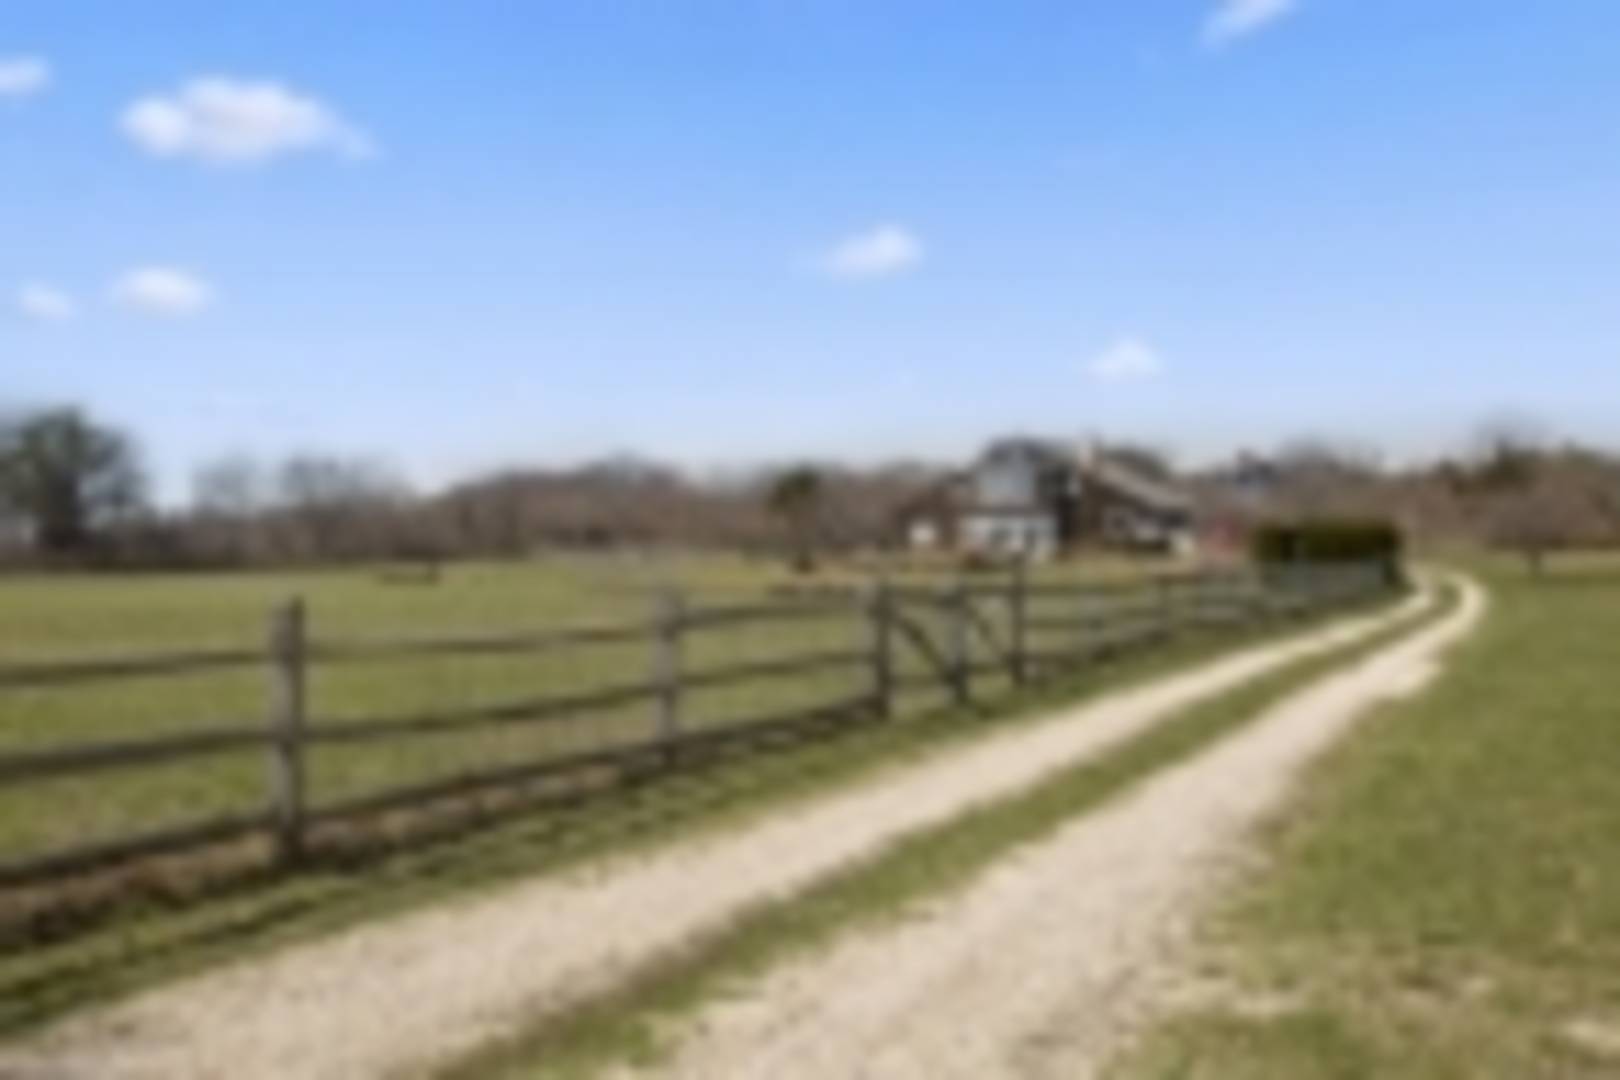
(954, 641)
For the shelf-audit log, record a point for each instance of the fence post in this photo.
(1283, 585)
(1245, 593)
(880, 627)
(1018, 621)
(1167, 606)
(956, 606)
(1084, 638)
(671, 619)
(288, 670)
(1265, 591)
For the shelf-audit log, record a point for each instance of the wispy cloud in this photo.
(23, 76)
(1235, 19)
(1128, 359)
(879, 252)
(227, 121)
(45, 303)
(163, 291)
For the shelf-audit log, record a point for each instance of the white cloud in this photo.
(45, 303)
(232, 122)
(879, 252)
(21, 76)
(1235, 19)
(163, 291)
(1129, 359)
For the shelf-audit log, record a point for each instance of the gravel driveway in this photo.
(1041, 966)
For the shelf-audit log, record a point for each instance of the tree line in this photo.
(73, 493)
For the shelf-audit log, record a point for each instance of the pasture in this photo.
(57, 617)
(1446, 900)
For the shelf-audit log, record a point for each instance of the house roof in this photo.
(1147, 490)
(1043, 451)
(1094, 464)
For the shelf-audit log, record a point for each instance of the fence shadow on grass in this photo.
(77, 954)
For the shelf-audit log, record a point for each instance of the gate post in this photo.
(876, 605)
(1018, 621)
(956, 610)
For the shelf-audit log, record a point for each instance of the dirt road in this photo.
(411, 992)
(1045, 962)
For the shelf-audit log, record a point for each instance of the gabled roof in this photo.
(1042, 451)
(1149, 491)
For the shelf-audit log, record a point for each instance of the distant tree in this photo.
(338, 508)
(67, 477)
(795, 496)
(1322, 478)
(1507, 456)
(229, 499)
(1531, 518)
(233, 487)
(1540, 503)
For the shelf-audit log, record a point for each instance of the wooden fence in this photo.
(960, 643)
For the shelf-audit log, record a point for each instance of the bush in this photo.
(1327, 541)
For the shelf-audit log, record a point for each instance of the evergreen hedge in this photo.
(1327, 540)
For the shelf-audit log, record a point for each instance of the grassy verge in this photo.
(632, 1023)
(157, 940)
(1446, 902)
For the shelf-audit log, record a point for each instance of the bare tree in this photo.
(1507, 454)
(235, 487)
(229, 499)
(1321, 478)
(338, 508)
(1539, 502)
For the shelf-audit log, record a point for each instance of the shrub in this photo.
(1327, 540)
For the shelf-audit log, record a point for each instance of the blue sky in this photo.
(465, 234)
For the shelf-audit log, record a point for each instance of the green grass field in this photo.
(116, 615)
(1446, 901)
(64, 616)
(71, 614)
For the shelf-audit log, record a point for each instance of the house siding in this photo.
(1030, 533)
